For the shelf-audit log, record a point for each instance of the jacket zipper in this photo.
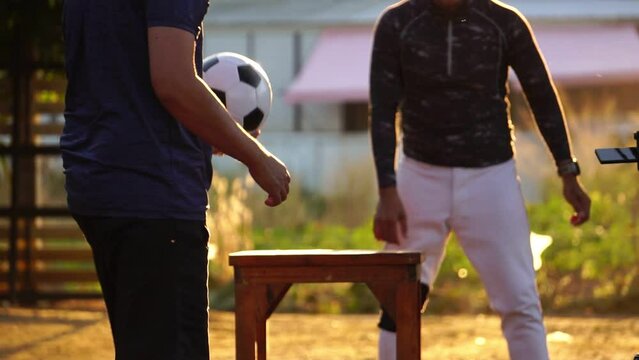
(449, 62)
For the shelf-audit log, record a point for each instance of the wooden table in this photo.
(262, 278)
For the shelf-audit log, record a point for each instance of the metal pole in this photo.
(637, 148)
(23, 165)
(15, 131)
(297, 66)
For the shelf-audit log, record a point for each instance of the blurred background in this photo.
(317, 53)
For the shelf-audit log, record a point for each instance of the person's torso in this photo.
(454, 73)
(123, 153)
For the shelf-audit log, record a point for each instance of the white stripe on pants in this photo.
(485, 208)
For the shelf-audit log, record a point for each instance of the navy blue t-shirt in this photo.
(124, 155)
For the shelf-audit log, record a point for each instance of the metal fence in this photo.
(42, 252)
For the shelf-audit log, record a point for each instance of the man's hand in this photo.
(390, 218)
(577, 198)
(272, 176)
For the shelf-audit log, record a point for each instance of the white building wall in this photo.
(320, 157)
(218, 40)
(275, 50)
(322, 116)
(322, 162)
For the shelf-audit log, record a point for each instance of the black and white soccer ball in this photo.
(242, 85)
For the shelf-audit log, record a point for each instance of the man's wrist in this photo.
(569, 167)
(387, 191)
(254, 154)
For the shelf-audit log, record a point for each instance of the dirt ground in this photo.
(56, 334)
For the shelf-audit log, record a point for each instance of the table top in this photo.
(323, 257)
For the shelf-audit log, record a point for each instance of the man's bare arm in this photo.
(185, 95)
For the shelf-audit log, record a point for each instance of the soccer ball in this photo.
(242, 85)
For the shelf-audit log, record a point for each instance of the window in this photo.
(355, 117)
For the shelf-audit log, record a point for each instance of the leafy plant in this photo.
(597, 264)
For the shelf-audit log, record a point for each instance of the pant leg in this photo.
(489, 218)
(154, 275)
(95, 231)
(425, 191)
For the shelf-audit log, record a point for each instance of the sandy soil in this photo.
(84, 334)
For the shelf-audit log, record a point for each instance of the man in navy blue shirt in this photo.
(136, 147)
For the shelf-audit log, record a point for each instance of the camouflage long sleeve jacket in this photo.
(446, 74)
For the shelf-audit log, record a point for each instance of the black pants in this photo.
(154, 278)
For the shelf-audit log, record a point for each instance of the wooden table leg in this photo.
(267, 297)
(260, 327)
(262, 281)
(245, 322)
(408, 321)
(261, 316)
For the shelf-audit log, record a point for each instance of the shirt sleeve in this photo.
(182, 14)
(385, 95)
(526, 59)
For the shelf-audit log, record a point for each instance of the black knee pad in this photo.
(387, 323)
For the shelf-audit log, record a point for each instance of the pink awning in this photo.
(337, 70)
(588, 55)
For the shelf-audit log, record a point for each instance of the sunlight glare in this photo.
(559, 337)
(480, 341)
(212, 251)
(539, 243)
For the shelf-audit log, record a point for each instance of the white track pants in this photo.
(485, 208)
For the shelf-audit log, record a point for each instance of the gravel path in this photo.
(56, 334)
